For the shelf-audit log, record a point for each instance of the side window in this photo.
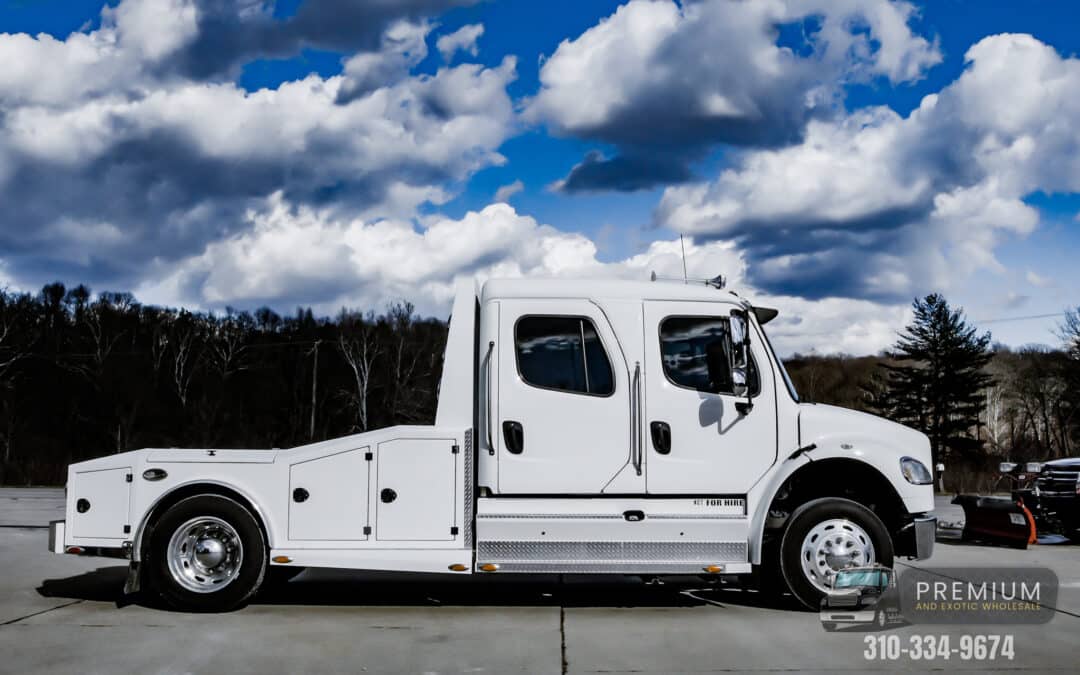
(685, 344)
(562, 353)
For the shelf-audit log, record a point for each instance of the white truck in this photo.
(596, 427)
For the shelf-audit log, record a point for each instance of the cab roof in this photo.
(605, 289)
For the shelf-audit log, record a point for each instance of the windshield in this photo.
(780, 364)
(853, 578)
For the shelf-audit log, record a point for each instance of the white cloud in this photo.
(505, 192)
(403, 46)
(153, 28)
(463, 40)
(94, 134)
(1037, 280)
(303, 256)
(833, 325)
(665, 82)
(882, 206)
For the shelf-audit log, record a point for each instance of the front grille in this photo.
(1058, 481)
(843, 600)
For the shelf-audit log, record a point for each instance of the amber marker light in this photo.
(489, 567)
(458, 567)
(282, 559)
(714, 569)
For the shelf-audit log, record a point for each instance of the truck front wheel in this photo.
(206, 554)
(824, 536)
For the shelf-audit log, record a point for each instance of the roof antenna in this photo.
(683, 246)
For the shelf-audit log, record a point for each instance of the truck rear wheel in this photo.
(206, 554)
(827, 535)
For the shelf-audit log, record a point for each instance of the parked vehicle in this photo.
(605, 427)
(867, 596)
(1013, 476)
(1055, 498)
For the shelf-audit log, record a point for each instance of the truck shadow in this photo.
(379, 589)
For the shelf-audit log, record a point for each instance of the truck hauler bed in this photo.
(582, 427)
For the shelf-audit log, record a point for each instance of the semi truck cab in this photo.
(608, 427)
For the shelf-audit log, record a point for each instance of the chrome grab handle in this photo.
(487, 397)
(633, 421)
(635, 418)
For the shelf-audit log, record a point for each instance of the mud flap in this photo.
(134, 579)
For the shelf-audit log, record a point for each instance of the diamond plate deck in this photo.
(608, 552)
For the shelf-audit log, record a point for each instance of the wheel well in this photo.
(183, 492)
(838, 477)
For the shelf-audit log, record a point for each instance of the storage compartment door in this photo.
(328, 497)
(414, 498)
(106, 494)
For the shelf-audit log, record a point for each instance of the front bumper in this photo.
(916, 538)
(838, 615)
(925, 535)
(56, 536)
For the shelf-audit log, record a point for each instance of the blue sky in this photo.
(208, 224)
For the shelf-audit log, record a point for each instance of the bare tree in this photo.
(17, 335)
(103, 339)
(14, 345)
(410, 354)
(359, 346)
(187, 353)
(228, 350)
(159, 342)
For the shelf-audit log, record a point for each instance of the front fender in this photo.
(875, 454)
(885, 457)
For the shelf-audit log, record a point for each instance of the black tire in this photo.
(828, 626)
(804, 519)
(252, 563)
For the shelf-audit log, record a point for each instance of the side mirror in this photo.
(739, 347)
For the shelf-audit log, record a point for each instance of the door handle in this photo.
(487, 397)
(514, 436)
(661, 437)
(636, 451)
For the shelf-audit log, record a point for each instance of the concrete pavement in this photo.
(66, 614)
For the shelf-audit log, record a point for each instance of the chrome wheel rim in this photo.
(205, 554)
(833, 545)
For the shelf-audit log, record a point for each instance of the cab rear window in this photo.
(563, 353)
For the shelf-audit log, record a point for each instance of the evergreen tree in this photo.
(937, 380)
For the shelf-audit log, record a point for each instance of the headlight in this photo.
(915, 472)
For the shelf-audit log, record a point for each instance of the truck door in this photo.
(562, 418)
(696, 440)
